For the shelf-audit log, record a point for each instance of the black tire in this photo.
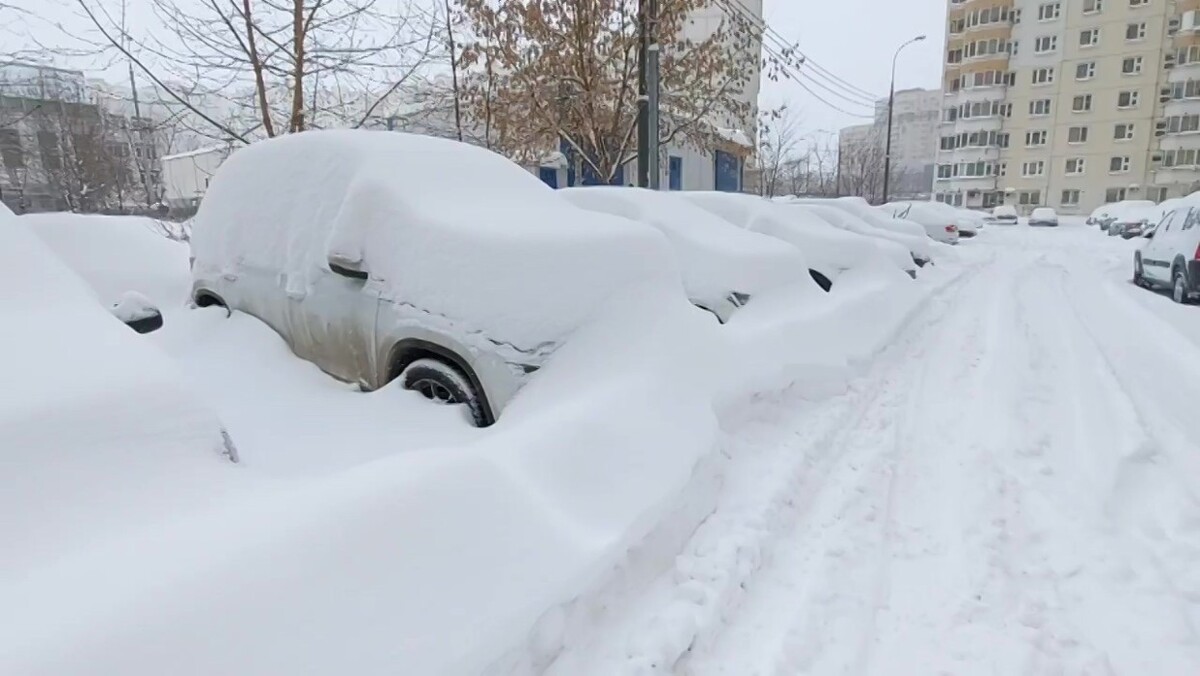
(442, 383)
(1179, 287)
(821, 280)
(1139, 277)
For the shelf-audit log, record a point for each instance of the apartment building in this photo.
(1056, 103)
(1178, 169)
(915, 128)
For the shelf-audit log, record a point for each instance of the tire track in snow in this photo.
(779, 465)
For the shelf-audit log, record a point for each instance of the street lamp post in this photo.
(887, 153)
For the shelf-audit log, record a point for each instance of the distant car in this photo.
(724, 266)
(968, 222)
(1133, 222)
(853, 214)
(1170, 257)
(1043, 217)
(1105, 215)
(384, 257)
(939, 226)
(1005, 214)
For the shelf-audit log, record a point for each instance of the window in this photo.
(1089, 37)
(1189, 89)
(1045, 44)
(944, 171)
(1035, 138)
(1131, 65)
(1139, 3)
(1085, 70)
(1093, 6)
(1043, 76)
(1074, 166)
(1114, 195)
(1081, 103)
(1135, 31)
(1077, 135)
(1039, 107)
(1070, 198)
(1034, 168)
(1029, 198)
(1179, 158)
(1123, 132)
(1118, 165)
(1181, 124)
(1049, 11)
(1127, 99)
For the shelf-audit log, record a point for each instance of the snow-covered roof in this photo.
(223, 148)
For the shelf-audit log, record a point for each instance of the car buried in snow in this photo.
(1043, 217)
(386, 257)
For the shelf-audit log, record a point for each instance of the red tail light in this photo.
(1197, 256)
(951, 228)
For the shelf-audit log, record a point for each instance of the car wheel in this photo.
(443, 384)
(1139, 276)
(1179, 292)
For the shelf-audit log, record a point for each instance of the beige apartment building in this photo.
(1069, 103)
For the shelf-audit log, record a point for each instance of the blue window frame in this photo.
(675, 173)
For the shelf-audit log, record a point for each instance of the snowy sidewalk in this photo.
(1010, 489)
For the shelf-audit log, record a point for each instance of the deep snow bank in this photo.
(449, 560)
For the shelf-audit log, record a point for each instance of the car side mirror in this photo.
(1149, 235)
(347, 268)
(138, 313)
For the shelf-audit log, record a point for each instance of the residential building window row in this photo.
(1186, 55)
(1181, 124)
(1180, 158)
(1189, 89)
(975, 139)
(978, 169)
(988, 16)
(987, 78)
(980, 49)
(978, 109)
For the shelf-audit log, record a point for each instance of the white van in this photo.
(1170, 258)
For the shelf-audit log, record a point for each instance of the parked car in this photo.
(861, 218)
(384, 257)
(1005, 214)
(1104, 216)
(1043, 217)
(826, 217)
(1170, 257)
(723, 266)
(1133, 221)
(827, 258)
(939, 226)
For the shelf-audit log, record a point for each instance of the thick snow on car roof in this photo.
(452, 229)
(716, 256)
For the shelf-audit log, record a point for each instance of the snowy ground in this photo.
(1010, 488)
(992, 469)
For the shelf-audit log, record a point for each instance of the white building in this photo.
(186, 175)
(915, 121)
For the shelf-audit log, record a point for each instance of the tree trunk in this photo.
(297, 123)
(256, 63)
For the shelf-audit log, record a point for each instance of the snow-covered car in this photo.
(1043, 217)
(389, 256)
(1170, 256)
(861, 218)
(1104, 215)
(829, 252)
(723, 266)
(968, 222)
(819, 216)
(1005, 214)
(938, 225)
(1133, 221)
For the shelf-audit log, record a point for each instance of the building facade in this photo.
(915, 122)
(1056, 103)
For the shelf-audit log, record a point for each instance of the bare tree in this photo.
(861, 167)
(247, 68)
(539, 73)
(778, 145)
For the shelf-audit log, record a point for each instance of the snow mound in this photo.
(716, 258)
(452, 229)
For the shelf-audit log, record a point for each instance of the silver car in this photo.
(382, 256)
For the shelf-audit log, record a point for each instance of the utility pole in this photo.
(648, 85)
(887, 153)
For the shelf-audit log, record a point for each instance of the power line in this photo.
(818, 73)
(785, 62)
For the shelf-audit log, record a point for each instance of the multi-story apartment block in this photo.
(1178, 170)
(915, 117)
(1055, 102)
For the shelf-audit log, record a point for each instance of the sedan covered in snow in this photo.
(939, 225)
(723, 266)
(394, 256)
(1043, 217)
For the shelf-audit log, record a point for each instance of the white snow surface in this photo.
(450, 228)
(715, 256)
(990, 469)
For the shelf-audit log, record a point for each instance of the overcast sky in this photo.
(852, 39)
(855, 40)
